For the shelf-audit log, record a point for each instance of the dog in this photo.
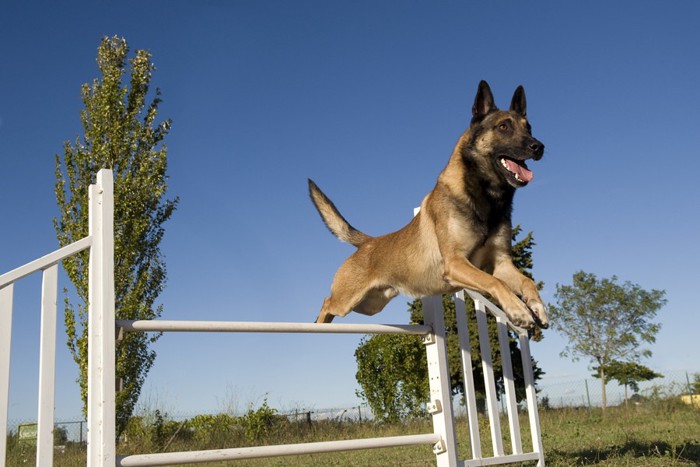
(460, 238)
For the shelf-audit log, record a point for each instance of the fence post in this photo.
(440, 404)
(101, 330)
(588, 395)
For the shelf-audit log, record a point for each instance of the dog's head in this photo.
(503, 138)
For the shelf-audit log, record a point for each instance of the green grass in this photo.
(661, 434)
(664, 433)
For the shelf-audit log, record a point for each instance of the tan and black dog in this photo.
(461, 238)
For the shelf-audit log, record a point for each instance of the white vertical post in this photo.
(101, 345)
(489, 379)
(5, 341)
(440, 405)
(509, 384)
(47, 367)
(531, 398)
(468, 373)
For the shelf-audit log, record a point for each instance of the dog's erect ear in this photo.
(483, 103)
(519, 104)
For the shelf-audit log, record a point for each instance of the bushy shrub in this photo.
(214, 431)
(259, 423)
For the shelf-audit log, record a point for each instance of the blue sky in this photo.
(368, 99)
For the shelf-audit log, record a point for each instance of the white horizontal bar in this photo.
(45, 261)
(499, 460)
(170, 458)
(251, 326)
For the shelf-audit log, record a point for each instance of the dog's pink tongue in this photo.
(524, 174)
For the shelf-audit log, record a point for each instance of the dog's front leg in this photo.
(523, 286)
(460, 273)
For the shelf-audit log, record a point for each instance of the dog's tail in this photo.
(335, 222)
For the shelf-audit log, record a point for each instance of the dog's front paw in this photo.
(523, 322)
(518, 313)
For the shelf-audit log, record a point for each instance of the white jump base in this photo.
(103, 330)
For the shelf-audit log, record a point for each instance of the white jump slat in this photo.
(489, 379)
(468, 374)
(531, 395)
(173, 458)
(47, 367)
(509, 385)
(5, 341)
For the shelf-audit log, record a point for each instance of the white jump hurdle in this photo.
(101, 365)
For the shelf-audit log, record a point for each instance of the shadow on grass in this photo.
(685, 452)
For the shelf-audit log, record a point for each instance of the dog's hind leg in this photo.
(367, 302)
(332, 308)
(325, 316)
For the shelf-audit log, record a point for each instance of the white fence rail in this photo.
(101, 306)
(101, 365)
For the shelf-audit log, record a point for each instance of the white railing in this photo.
(101, 365)
(101, 308)
(482, 306)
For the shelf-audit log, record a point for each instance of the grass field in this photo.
(663, 433)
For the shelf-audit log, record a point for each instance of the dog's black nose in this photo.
(537, 149)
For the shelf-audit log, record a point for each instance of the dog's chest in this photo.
(478, 223)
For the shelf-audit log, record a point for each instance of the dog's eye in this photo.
(503, 126)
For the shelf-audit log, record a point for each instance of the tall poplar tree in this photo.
(120, 133)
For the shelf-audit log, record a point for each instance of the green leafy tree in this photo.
(392, 370)
(393, 375)
(120, 133)
(628, 374)
(605, 321)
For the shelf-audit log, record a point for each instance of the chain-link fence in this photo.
(358, 413)
(589, 392)
(572, 393)
(64, 433)
(75, 432)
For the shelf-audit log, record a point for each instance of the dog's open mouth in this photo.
(517, 169)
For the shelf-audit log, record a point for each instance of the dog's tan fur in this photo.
(461, 238)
